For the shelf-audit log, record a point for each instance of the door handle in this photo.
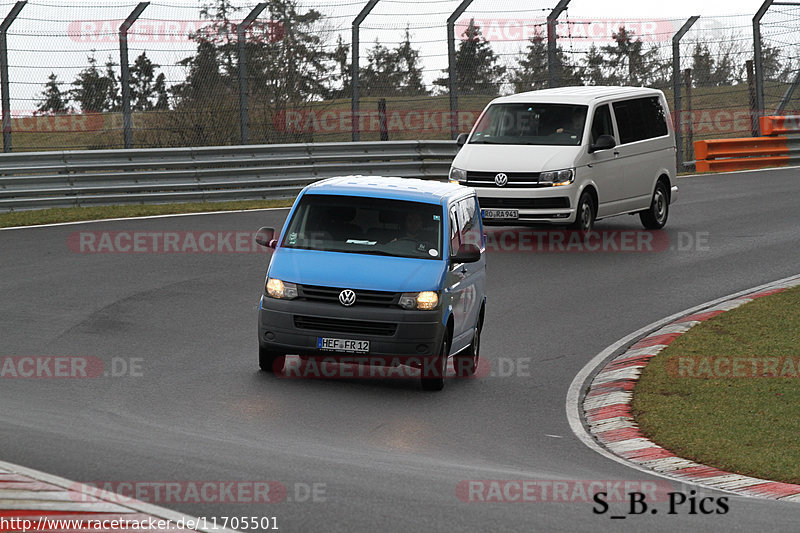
(616, 153)
(463, 270)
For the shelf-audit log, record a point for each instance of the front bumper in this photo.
(290, 327)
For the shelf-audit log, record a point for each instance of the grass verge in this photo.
(75, 214)
(726, 393)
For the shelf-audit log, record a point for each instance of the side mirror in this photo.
(468, 253)
(461, 140)
(266, 237)
(604, 142)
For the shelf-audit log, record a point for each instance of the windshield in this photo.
(546, 124)
(361, 225)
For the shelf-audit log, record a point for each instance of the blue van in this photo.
(377, 269)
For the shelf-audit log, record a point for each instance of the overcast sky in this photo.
(48, 36)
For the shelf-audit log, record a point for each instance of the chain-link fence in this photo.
(231, 72)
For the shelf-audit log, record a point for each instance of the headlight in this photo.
(425, 300)
(458, 175)
(558, 177)
(279, 289)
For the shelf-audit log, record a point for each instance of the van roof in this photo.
(576, 95)
(393, 188)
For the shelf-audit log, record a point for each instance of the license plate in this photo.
(342, 345)
(500, 213)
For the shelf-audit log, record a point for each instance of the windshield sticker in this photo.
(437, 218)
(362, 241)
(433, 252)
(292, 238)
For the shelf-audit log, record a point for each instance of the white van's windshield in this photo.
(375, 226)
(519, 123)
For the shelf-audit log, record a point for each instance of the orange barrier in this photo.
(780, 125)
(741, 154)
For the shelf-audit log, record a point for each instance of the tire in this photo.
(271, 362)
(584, 214)
(433, 375)
(466, 362)
(655, 217)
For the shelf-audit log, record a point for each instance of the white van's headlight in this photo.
(558, 177)
(458, 175)
(280, 289)
(424, 300)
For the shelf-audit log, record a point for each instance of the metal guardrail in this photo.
(36, 180)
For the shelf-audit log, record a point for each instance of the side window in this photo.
(640, 119)
(455, 233)
(470, 222)
(601, 123)
(625, 121)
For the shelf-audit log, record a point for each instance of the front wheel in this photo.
(466, 362)
(585, 214)
(433, 372)
(655, 217)
(270, 361)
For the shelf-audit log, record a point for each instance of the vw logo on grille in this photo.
(501, 180)
(347, 297)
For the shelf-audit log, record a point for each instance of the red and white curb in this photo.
(606, 412)
(46, 502)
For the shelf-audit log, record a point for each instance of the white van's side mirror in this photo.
(462, 139)
(604, 142)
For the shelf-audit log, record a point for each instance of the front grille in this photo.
(317, 293)
(515, 179)
(338, 325)
(558, 202)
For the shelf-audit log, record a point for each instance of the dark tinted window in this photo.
(639, 119)
(601, 123)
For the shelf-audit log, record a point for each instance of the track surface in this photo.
(390, 456)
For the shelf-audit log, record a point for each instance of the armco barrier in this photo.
(752, 152)
(36, 180)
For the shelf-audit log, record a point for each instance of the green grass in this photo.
(74, 214)
(748, 425)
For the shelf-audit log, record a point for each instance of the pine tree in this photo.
(411, 83)
(628, 62)
(143, 89)
(593, 68)
(91, 89)
(477, 71)
(52, 99)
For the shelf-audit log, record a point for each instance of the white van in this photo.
(571, 155)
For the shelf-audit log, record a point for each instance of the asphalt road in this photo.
(388, 456)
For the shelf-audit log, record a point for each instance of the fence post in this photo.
(759, 67)
(553, 67)
(755, 127)
(787, 96)
(6, 97)
(355, 103)
(676, 87)
(687, 80)
(384, 126)
(125, 76)
(244, 131)
(452, 75)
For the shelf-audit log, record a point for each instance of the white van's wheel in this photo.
(433, 375)
(271, 362)
(655, 217)
(585, 214)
